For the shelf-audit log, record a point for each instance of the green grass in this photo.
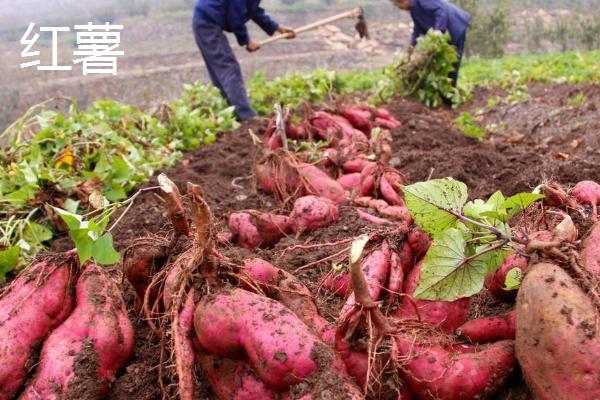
(570, 67)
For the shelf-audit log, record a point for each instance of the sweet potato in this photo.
(389, 186)
(291, 292)
(590, 252)
(396, 283)
(495, 282)
(588, 192)
(557, 342)
(433, 372)
(350, 181)
(252, 229)
(140, 262)
(357, 362)
(372, 218)
(234, 379)
(337, 283)
(419, 242)
(183, 333)
(311, 213)
(367, 180)
(35, 303)
(83, 354)
(279, 347)
(318, 183)
(376, 268)
(356, 165)
(448, 316)
(487, 330)
(359, 118)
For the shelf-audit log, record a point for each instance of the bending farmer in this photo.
(439, 15)
(211, 19)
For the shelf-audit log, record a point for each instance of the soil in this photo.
(426, 146)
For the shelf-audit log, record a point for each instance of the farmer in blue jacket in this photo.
(211, 19)
(439, 15)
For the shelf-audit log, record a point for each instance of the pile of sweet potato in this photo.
(78, 316)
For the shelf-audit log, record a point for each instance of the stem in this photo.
(363, 298)
(129, 203)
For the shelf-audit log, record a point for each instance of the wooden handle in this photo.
(354, 13)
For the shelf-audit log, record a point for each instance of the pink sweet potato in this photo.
(234, 379)
(448, 316)
(357, 362)
(318, 183)
(495, 282)
(337, 283)
(311, 213)
(433, 372)
(252, 229)
(557, 342)
(359, 118)
(376, 268)
(291, 292)
(350, 181)
(367, 180)
(588, 192)
(280, 348)
(36, 302)
(183, 333)
(389, 186)
(83, 354)
(396, 282)
(356, 165)
(419, 242)
(590, 251)
(487, 330)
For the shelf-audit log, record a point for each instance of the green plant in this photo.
(466, 123)
(424, 74)
(470, 239)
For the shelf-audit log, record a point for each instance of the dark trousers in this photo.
(459, 42)
(223, 68)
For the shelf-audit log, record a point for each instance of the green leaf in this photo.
(36, 233)
(72, 205)
(83, 243)
(72, 220)
(8, 261)
(513, 279)
(432, 203)
(103, 251)
(519, 202)
(449, 274)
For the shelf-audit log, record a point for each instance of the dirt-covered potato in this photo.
(557, 338)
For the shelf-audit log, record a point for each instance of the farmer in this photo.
(211, 19)
(439, 15)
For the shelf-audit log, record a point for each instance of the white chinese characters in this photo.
(97, 48)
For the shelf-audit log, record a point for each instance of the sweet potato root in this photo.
(359, 117)
(448, 316)
(311, 213)
(588, 192)
(318, 183)
(350, 181)
(291, 292)
(234, 379)
(36, 302)
(487, 330)
(183, 333)
(419, 242)
(239, 323)
(376, 268)
(557, 342)
(590, 252)
(83, 354)
(337, 283)
(435, 373)
(495, 282)
(252, 229)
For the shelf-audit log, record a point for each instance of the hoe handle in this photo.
(354, 13)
